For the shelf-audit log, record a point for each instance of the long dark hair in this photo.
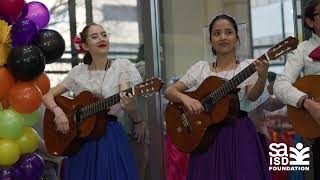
(309, 12)
(87, 59)
(226, 17)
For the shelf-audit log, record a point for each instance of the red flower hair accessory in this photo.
(78, 44)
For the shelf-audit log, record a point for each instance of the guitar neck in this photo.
(242, 76)
(146, 87)
(103, 104)
(230, 85)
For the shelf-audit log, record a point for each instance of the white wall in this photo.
(182, 27)
(182, 38)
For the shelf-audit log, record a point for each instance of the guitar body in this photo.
(202, 127)
(300, 119)
(221, 103)
(87, 117)
(66, 144)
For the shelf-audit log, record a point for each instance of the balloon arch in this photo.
(25, 48)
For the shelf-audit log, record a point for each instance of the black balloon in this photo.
(26, 62)
(51, 43)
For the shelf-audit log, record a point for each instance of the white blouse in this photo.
(198, 72)
(101, 82)
(298, 61)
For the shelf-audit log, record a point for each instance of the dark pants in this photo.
(50, 171)
(315, 148)
(316, 159)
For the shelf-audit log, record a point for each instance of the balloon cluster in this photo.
(28, 33)
(23, 82)
(29, 166)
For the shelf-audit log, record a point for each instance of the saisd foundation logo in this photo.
(281, 160)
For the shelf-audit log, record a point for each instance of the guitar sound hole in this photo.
(208, 107)
(78, 115)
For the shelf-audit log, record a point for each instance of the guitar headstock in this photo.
(282, 48)
(148, 86)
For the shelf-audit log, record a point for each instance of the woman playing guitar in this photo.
(305, 59)
(110, 156)
(235, 152)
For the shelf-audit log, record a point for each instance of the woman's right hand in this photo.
(193, 105)
(61, 120)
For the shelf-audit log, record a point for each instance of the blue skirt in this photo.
(108, 158)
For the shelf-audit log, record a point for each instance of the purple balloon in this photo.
(8, 20)
(23, 32)
(31, 166)
(10, 173)
(37, 12)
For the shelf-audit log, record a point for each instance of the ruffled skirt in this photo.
(234, 154)
(108, 158)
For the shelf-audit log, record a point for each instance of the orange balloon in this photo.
(25, 97)
(43, 83)
(6, 81)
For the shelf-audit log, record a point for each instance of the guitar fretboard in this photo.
(230, 85)
(101, 105)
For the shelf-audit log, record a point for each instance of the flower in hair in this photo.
(78, 44)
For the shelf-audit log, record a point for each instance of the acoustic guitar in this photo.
(87, 118)
(194, 133)
(301, 120)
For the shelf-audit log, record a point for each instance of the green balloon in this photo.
(31, 119)
(11, 124)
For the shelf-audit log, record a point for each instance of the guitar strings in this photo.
(84, 108)
(89, 107)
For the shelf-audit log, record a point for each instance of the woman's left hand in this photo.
(127, 102)
(139, 131)
(262, 68)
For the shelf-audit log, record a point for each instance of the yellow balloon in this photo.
(29, 141)
(9, 152)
